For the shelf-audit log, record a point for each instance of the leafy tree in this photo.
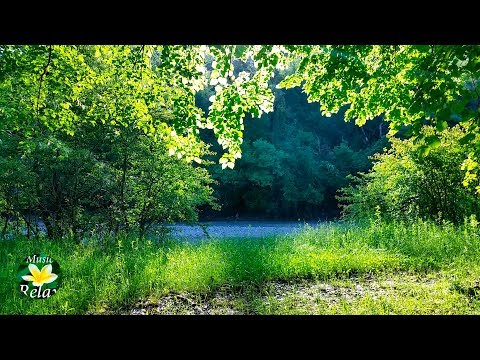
(408, 85)
(294, 160)
(150, 187)
(60, 87)
(79, 124)
(97, 180)
(405, 84)
(55, 89)
(405, 183)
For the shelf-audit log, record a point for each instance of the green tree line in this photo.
(117, 136)
(294, 160)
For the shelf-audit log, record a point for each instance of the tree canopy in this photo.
(411, 86)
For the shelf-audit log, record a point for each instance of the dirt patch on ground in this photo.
(183, 304)
(249, 299)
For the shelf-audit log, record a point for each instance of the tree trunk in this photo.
(122, 190)
(50, 229)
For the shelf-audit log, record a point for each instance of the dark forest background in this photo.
(293, 161)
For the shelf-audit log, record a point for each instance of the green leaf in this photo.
(432, 141)
(442, 125)
(418, 139)
(239, 50)
(423, 150)
(409, 132)
(467, 138)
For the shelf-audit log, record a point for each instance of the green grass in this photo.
(244, 275)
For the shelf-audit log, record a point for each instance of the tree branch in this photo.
(45, 71)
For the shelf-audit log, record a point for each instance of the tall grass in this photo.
(114, 275)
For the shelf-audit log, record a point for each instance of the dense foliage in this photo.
(406, 183)
(407, 84)
(78, 120)
(98, 180)
(294, 160)
(103, 142)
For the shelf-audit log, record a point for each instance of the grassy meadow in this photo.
(336, 268)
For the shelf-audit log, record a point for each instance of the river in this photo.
(239, 228)
(225, 229)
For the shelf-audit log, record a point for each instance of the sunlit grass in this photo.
(396, 293)
(113, 277)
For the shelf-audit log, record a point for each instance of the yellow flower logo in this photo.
(38, 278)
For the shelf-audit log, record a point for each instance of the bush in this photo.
(407, 182)
(103, 180)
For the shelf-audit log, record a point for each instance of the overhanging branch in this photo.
(45, 71)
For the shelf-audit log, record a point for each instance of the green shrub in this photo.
(411, 180)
